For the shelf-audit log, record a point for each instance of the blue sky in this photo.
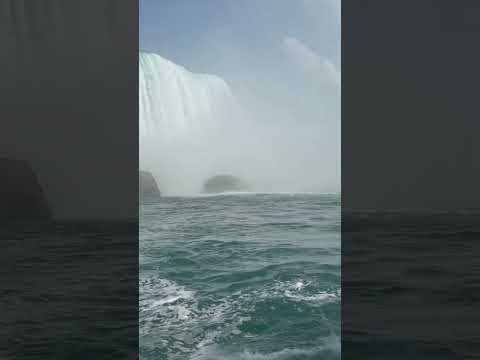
(180, 28)
(207, 35)
(280, 57)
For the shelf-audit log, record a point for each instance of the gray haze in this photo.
(68, 102)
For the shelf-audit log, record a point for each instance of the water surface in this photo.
(240, 276)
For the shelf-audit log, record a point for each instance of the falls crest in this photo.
(175, 101)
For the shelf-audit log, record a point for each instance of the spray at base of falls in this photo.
(191, 128)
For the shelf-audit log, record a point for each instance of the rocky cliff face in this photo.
(21, 195)
(147, 186)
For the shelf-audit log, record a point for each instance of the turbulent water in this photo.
(240, 276)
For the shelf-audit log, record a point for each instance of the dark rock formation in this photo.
(223, 183)
(147, 186)
(22, 197)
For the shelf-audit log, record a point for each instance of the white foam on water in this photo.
(319, 298)
(167, 293)
(300, 291)
(163, 304)
(170, 310)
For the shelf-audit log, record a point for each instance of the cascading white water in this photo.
(175, 101)
(179, 113)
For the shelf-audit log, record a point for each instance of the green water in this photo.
(240, 276)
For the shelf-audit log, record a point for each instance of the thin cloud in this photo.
(308, 60)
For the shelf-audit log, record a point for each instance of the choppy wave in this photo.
(328, 351)
(215, 286)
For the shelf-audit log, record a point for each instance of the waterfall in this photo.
(180, 113)
(174, 101)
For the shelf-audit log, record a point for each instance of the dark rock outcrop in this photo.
(22, 197)
(223, 183)
(147, 186)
